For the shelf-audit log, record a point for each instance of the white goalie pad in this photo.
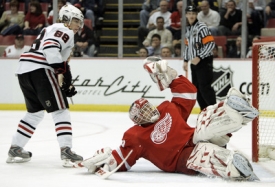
(159, 71)
(216, 121)
(213, 160)
(102, 157)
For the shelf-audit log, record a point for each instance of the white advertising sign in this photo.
(121, 81)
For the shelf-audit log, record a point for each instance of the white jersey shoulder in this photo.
(52, 46)
(59, 33)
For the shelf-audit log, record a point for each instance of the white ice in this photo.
(92, 131)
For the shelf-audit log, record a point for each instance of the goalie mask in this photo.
(142, 112)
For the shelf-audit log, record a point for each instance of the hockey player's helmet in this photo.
(68, 12)
(143, 112)
(191, 8)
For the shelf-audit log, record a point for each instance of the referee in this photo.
(199, 45)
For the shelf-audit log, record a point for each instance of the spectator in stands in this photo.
(155, 47)
(175, 8)
(98, 9)
(27, 3)
(231, 20)
(14, 51)
(177, 50)
(223, 5)
(165, 34)
(234, 50)
(210, 17)
(166, 52)
(60, 3)
(2, 7)
(143, 52)
(148, 8)
(35, 19)
(255, 17)
(249, 53)
(86, 6)
(175, 26)
(269, 11)
(216, 52)
(152, 23)
(84, 43)
(214, 5)
(11, 21)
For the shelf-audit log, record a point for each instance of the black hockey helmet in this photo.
(191, 8)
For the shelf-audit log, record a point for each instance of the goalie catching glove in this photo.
(159, 71)
(102, 158)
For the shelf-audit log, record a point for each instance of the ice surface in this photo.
(92, 131)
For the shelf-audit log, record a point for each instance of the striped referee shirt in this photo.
(198, 41)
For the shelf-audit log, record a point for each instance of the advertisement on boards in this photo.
(121, 81)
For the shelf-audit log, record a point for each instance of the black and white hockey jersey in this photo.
(51, 48)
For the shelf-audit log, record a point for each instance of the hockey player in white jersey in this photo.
(38, 74)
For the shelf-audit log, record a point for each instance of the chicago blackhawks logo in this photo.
(159, 135)
(222, 82)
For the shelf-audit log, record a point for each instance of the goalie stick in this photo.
(101, 172)
(104, 174)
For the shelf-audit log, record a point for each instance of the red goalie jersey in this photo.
(167, 143)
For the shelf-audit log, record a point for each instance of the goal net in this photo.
(263, 98)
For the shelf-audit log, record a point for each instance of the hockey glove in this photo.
(159, 71)
(70, 92)
(67, 80)
(102, 158)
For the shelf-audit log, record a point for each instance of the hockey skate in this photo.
(69, 158)
(244, 167)
(18, 155)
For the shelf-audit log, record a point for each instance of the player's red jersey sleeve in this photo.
(184, 95)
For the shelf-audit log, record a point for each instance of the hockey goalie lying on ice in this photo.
(162, 135)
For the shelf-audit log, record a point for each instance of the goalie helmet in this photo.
(68, 12)
(142, 112)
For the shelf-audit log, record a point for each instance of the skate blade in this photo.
(243, 166)
(67, 163)
(17, 160)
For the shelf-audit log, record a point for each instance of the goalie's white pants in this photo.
(213, 160)
(216, 121)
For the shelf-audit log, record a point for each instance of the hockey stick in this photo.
(104, 174)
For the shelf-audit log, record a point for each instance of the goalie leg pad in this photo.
(216, 121)
(213, 160)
